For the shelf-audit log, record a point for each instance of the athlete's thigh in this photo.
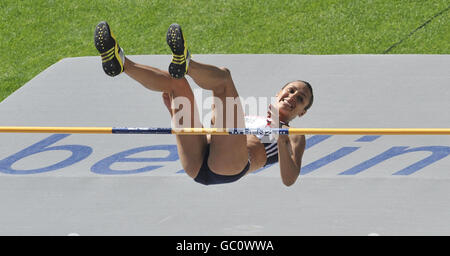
(228, 154)
(191, 148)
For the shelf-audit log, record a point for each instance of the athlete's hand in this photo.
(273, 114)
(276, 123)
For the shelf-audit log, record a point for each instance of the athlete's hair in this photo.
(311, 100)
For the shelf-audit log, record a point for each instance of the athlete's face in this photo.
(292, 100)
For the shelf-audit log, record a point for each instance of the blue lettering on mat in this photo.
(79, 152)
(104, 166)
(340, 153)
(314, 140)
(438, 152)
(310, 142)
(368, 138)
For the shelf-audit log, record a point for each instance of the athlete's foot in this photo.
(106, 44)
(180, 54)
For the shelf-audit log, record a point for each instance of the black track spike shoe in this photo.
(180, 54)
(106, 44)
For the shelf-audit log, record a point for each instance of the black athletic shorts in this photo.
(207, 177)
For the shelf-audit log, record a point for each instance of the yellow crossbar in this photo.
(228, 131)
(32, 129)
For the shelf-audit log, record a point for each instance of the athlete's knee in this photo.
(226, 71)
(192, 170)
(191, 159)
(177, 83)
(224, 81)
(179, 87)
(226, 77)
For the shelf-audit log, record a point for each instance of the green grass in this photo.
(35, 34)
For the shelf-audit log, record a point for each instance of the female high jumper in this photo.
(216, 159)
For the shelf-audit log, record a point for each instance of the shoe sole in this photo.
(177, 44)
(107, 46)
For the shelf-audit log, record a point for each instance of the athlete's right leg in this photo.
(191, 148)
(150, 77)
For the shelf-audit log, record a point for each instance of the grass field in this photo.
(35, 34)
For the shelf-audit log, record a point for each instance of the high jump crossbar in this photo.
(226, 131)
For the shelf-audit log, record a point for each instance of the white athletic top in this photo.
(269, 141)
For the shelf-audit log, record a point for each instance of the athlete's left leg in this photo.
(228, 154)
